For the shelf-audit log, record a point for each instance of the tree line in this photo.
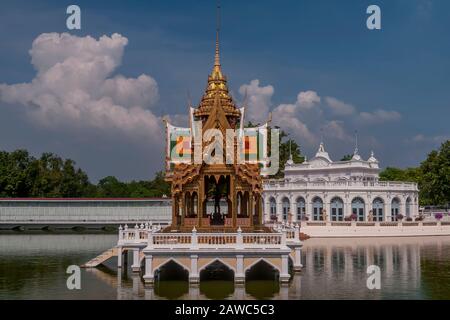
(50, 176)
(22, 175)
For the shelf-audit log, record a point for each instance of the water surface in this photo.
(34, 267)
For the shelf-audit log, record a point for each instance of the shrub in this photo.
(438, 216)
(409, 219)
(353, 217)
(399, 216)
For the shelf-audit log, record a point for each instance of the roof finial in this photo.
(217, 56)
(356, 142)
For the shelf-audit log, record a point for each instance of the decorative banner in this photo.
(179, 146)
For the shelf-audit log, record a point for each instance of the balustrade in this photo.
(153, 238)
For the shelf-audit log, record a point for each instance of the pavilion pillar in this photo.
(119, 257)
(284, 276)
(200, 197)
(136, 266)
(174, 211)
(239, 277)
(193, 275)
(298, 259)
(148, 276)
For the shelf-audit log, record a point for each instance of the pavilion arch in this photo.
(337, 209)
(214, 260)
(358, 208)
(301, 208)
(395, 208)
(171, 269)
(208, 271)
(317, 208)
(286, 205)
(408, 207)
(247, 268)
(378, 209)
(162, 264)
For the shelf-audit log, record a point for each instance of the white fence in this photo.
(145, 234)
(375, 229)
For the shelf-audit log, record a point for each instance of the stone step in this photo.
(101, 258)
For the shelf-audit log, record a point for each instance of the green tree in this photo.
(435, 179)
(347, 157)
(288, 147)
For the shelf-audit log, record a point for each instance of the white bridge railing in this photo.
(147, 235)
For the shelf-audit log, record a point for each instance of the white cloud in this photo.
(308, 99)
(336, 130)
(379, 116)
(421, 138)
(338, 107)
(73, 87)
(311, 116)
(259, 100)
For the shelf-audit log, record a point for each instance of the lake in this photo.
(33, 266)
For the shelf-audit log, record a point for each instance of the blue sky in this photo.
(394, 83)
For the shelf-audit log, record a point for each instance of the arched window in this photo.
(273, 209)
(378, 209)
(395, 209)
(408, 208)
(317, 207)
(286, 208)
(358, 209)
(337, 209)
(301, 208)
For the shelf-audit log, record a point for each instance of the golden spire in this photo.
(217, 85)
(217, 72)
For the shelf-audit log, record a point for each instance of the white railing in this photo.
(281, 184)
(151, 237)
(375, 229)
(374, 223)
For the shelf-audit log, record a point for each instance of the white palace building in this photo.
(325, 190)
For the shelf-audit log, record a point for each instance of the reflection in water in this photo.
(262, 289)
(217, 289)
(33, 267)
(171, 289)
